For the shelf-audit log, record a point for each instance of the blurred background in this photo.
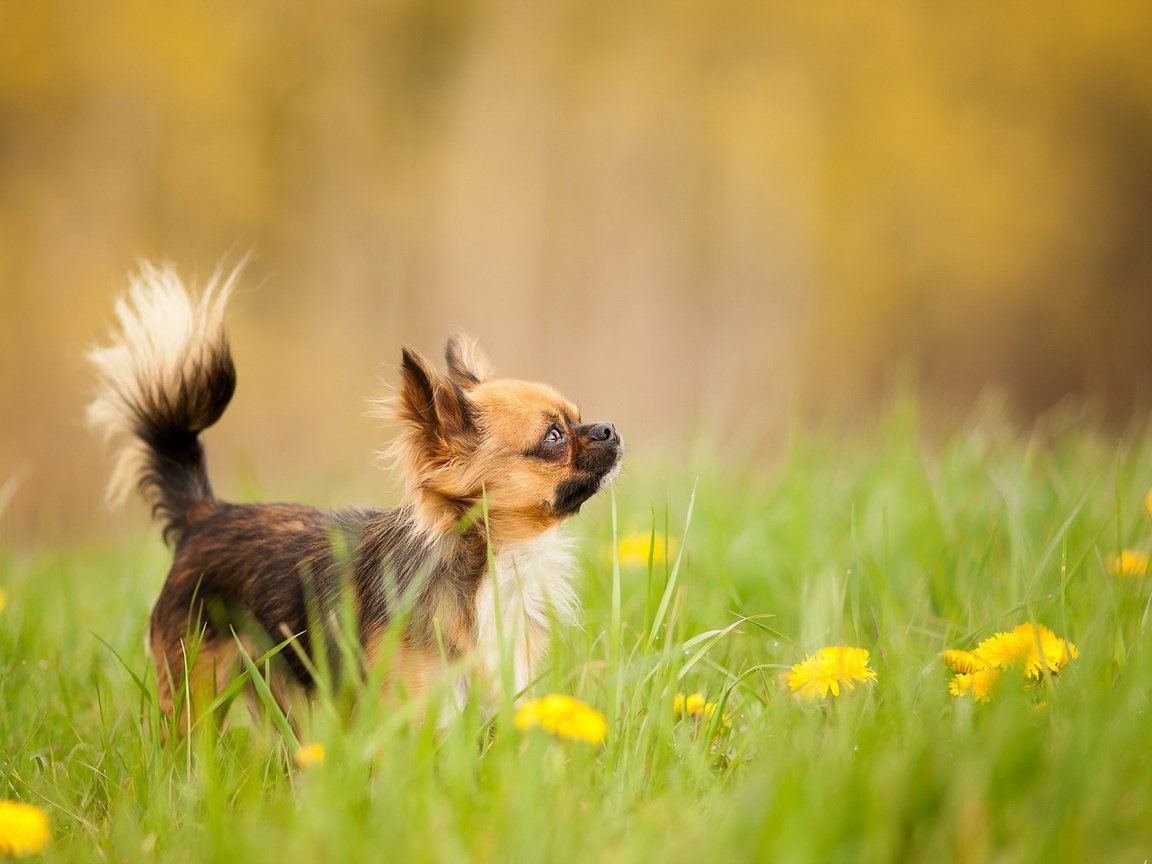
(707, 214)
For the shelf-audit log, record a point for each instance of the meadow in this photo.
(701, 575)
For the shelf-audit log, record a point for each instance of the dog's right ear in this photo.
(467, 365)
(432, 403)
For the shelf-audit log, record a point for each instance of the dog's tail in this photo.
(166, 376)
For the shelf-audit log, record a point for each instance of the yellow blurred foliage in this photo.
(658, 207)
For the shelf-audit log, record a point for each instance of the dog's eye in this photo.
(554, 435)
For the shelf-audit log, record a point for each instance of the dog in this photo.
(471, 561)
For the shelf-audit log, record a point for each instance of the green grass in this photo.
(871, 538)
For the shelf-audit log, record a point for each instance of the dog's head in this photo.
(469, 436)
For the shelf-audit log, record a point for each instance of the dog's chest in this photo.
(532, 589)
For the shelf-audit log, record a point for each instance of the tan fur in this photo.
(470, 566)
(199, 678)
(467, 364)
(511, 416)
(413, 669)
(515, 414)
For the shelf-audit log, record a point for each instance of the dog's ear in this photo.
(431, 402)
(467, 365)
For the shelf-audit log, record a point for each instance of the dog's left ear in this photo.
(467, 365)
(434, 404)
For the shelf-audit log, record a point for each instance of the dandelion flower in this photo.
(710, 709)
(309, 754)
(692, 704)
(633, 550)
(979, 683)
(964, 661)
(1030, 647)
(1128, 563)
(1047, 651)
(697, 707)
(23, 828)
(827, 669)
(563, 716)
(1033, 647)
(3, 599)
(1002, 650)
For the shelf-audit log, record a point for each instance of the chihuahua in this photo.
(472, 555)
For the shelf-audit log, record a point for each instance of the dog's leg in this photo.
(190, 674)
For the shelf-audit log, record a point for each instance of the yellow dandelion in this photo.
(1033, 647)
(696, 706)
(979, 683)
(1002, 650)
(3, 600)
(964, 661)
(23, 829)
(309, 754)
(563, 716)
(1047, 652)
(691, 704)
(1128, 563)
(823, 672)
(633, 550)
(710, 709)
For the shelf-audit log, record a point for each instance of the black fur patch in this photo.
(593, 459)
(175, 477)
(571, 494)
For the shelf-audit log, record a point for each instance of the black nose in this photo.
(602, 432)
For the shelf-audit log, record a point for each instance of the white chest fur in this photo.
(532, 589)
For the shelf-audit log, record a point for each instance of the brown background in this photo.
(684, 214)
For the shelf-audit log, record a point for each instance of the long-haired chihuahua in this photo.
(491, 468)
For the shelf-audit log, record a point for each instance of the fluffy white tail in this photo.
(166, 376)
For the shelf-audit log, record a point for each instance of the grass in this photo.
(873, 538)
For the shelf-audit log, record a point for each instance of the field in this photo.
(883, 538)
